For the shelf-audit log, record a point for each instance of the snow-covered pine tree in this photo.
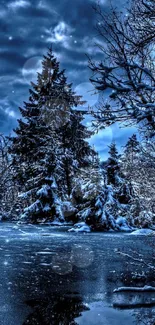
(88, 195)
(130, 153)
(76, 151)
(101, 195)
(96, 201)
(47, 205)
(129, 161)
(118, 191)
(138, 165)
(8, 190)
(80, 134)
(115, 177)
(48, 110)
(113, 165)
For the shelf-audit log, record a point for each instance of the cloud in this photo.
(31, 27)
(61, 33)
(3, 12)
(18, 4)
(7, 122)
(11, 113)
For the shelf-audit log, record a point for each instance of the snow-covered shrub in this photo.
(69, 211)
(144, 220)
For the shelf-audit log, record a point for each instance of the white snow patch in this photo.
(143, 289)
(122, 223)
(144, 232)
(80, 227)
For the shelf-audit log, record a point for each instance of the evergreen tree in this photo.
(131, 150)
(84, 153)
(48, 109)
(42, 132)
(115, 176)
(132, 146)
(113, 165)
(129, 161)
(9, 204)
(138, 165)
(118, 191)
(88, 194)
(47, 205)
(76, 151)
(99, 203)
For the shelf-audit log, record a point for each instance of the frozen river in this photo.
(50, 276)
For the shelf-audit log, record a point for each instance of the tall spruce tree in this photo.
(129, 160)
(131, 149)
(76, 152)
(46, 204)
(40, 139)
(118, 191)
(113, 165)
(88, 194)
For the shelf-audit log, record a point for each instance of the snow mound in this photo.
(145, 232)
(56, 223)
(143, 289)
(123, 225)
(80, 227)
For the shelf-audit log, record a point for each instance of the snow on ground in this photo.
(80, 227)
(143, 232)
(144, 289)
(123, 225)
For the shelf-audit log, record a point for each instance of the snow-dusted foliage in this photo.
(47, 205)
(138, 165)
(9, 205)
(88, 194)
(75, 151)
(57, 174)
(126, 73)
(119, 193)
(144, 12)
(98, 196)
(69, 211)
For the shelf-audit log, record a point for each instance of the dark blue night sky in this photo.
(27, 28)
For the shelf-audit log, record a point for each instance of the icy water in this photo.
(49, 276)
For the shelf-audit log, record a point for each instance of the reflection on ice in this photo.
(53, 269)
(56, 310)
(100, 314)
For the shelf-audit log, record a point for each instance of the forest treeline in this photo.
(48, 170)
